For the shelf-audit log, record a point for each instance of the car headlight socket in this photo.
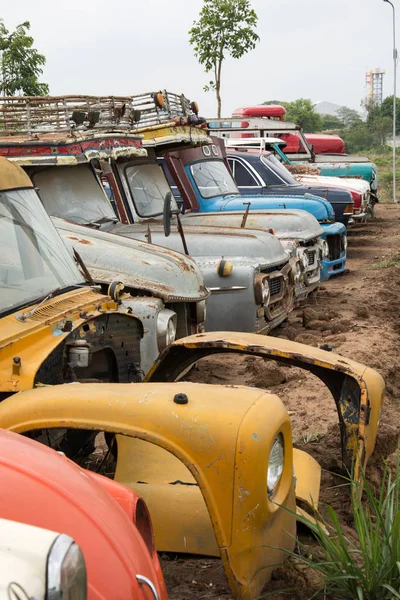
(276, 463)
(324, 248)
(166, 328)
(66, 570)
(201, 311)
(261, 289)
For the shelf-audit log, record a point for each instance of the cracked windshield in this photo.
(73, 193)
(148, 187)
(34, 259)
(213, 178)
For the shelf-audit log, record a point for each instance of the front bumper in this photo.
(336, 236)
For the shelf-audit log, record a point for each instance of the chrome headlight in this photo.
(265, 292)
(275, 464)
(345, 242)
(201, 311)
(324, 248)
(296, 272)
(66, 570)
(261, 289)
(304, 260)
(166, 328)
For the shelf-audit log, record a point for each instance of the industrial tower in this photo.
(374, 81)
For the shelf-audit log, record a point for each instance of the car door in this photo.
(246, 178)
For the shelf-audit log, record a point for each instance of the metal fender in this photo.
(357, 390)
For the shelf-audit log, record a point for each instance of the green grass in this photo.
(366, 565)
(392, 261)
(382, 157)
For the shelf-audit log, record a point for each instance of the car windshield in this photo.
(34, 261)
(273, 163)
(212, 178)
(72, 193)
(148, 187)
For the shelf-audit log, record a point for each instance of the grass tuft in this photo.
(365, 566)
(391, 261)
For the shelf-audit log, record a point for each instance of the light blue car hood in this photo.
(319, 208)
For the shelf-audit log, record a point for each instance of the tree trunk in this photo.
(218, 87)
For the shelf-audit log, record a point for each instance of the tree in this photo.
(225, 27)
(330, 122)
(386, 110)
(20, 63)
(383, 126)
(302, 112)
(349, 116)
(357, 137)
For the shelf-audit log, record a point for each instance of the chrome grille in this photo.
(311, 257)
(275, 286)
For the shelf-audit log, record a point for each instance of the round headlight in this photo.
(66, 570)
(166, 328)
(324, 248)
(261, 289)
(265, 292)
(201, 311)
(304, 260)
(345, 242)
(275, 464)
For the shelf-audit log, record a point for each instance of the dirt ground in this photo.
(357, 313)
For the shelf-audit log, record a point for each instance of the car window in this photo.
(243, 176)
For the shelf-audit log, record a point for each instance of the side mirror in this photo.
(167, 214)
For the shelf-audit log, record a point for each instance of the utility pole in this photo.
(394, 97)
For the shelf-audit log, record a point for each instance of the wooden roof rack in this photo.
(31, 115)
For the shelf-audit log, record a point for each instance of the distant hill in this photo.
(326, 108)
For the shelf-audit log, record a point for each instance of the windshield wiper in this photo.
(99, 222)
(25, 316)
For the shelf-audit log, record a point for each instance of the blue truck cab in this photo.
(201, 178)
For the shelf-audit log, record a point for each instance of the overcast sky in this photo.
(318, 49)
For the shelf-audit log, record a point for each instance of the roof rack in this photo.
(32, 115)
(252, 124)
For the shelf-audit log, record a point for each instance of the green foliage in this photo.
(21, 64)
(330, 122)
(348, 116)
(302, 112)
(358, 137)
(225, 28)
(366, 566)
(382, 127)
(386, 110)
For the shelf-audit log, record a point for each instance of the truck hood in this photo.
(287, 224)
(216, 242)
(158, 271)
(319, 208)
(346, 183)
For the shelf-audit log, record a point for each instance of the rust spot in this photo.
(86, 242)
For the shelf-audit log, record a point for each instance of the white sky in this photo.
(318, 49)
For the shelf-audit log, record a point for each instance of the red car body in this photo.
(44, 488)
(321, 143)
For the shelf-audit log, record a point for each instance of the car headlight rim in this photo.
(201, 311)
(66, 570)
(276, 462)
(261, 289)
(166, 328)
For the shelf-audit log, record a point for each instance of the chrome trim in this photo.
(250, 169)
(57, 554)
(142, 579)
(234, 288)
(163, 319)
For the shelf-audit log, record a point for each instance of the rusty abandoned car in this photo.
(112, 309)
